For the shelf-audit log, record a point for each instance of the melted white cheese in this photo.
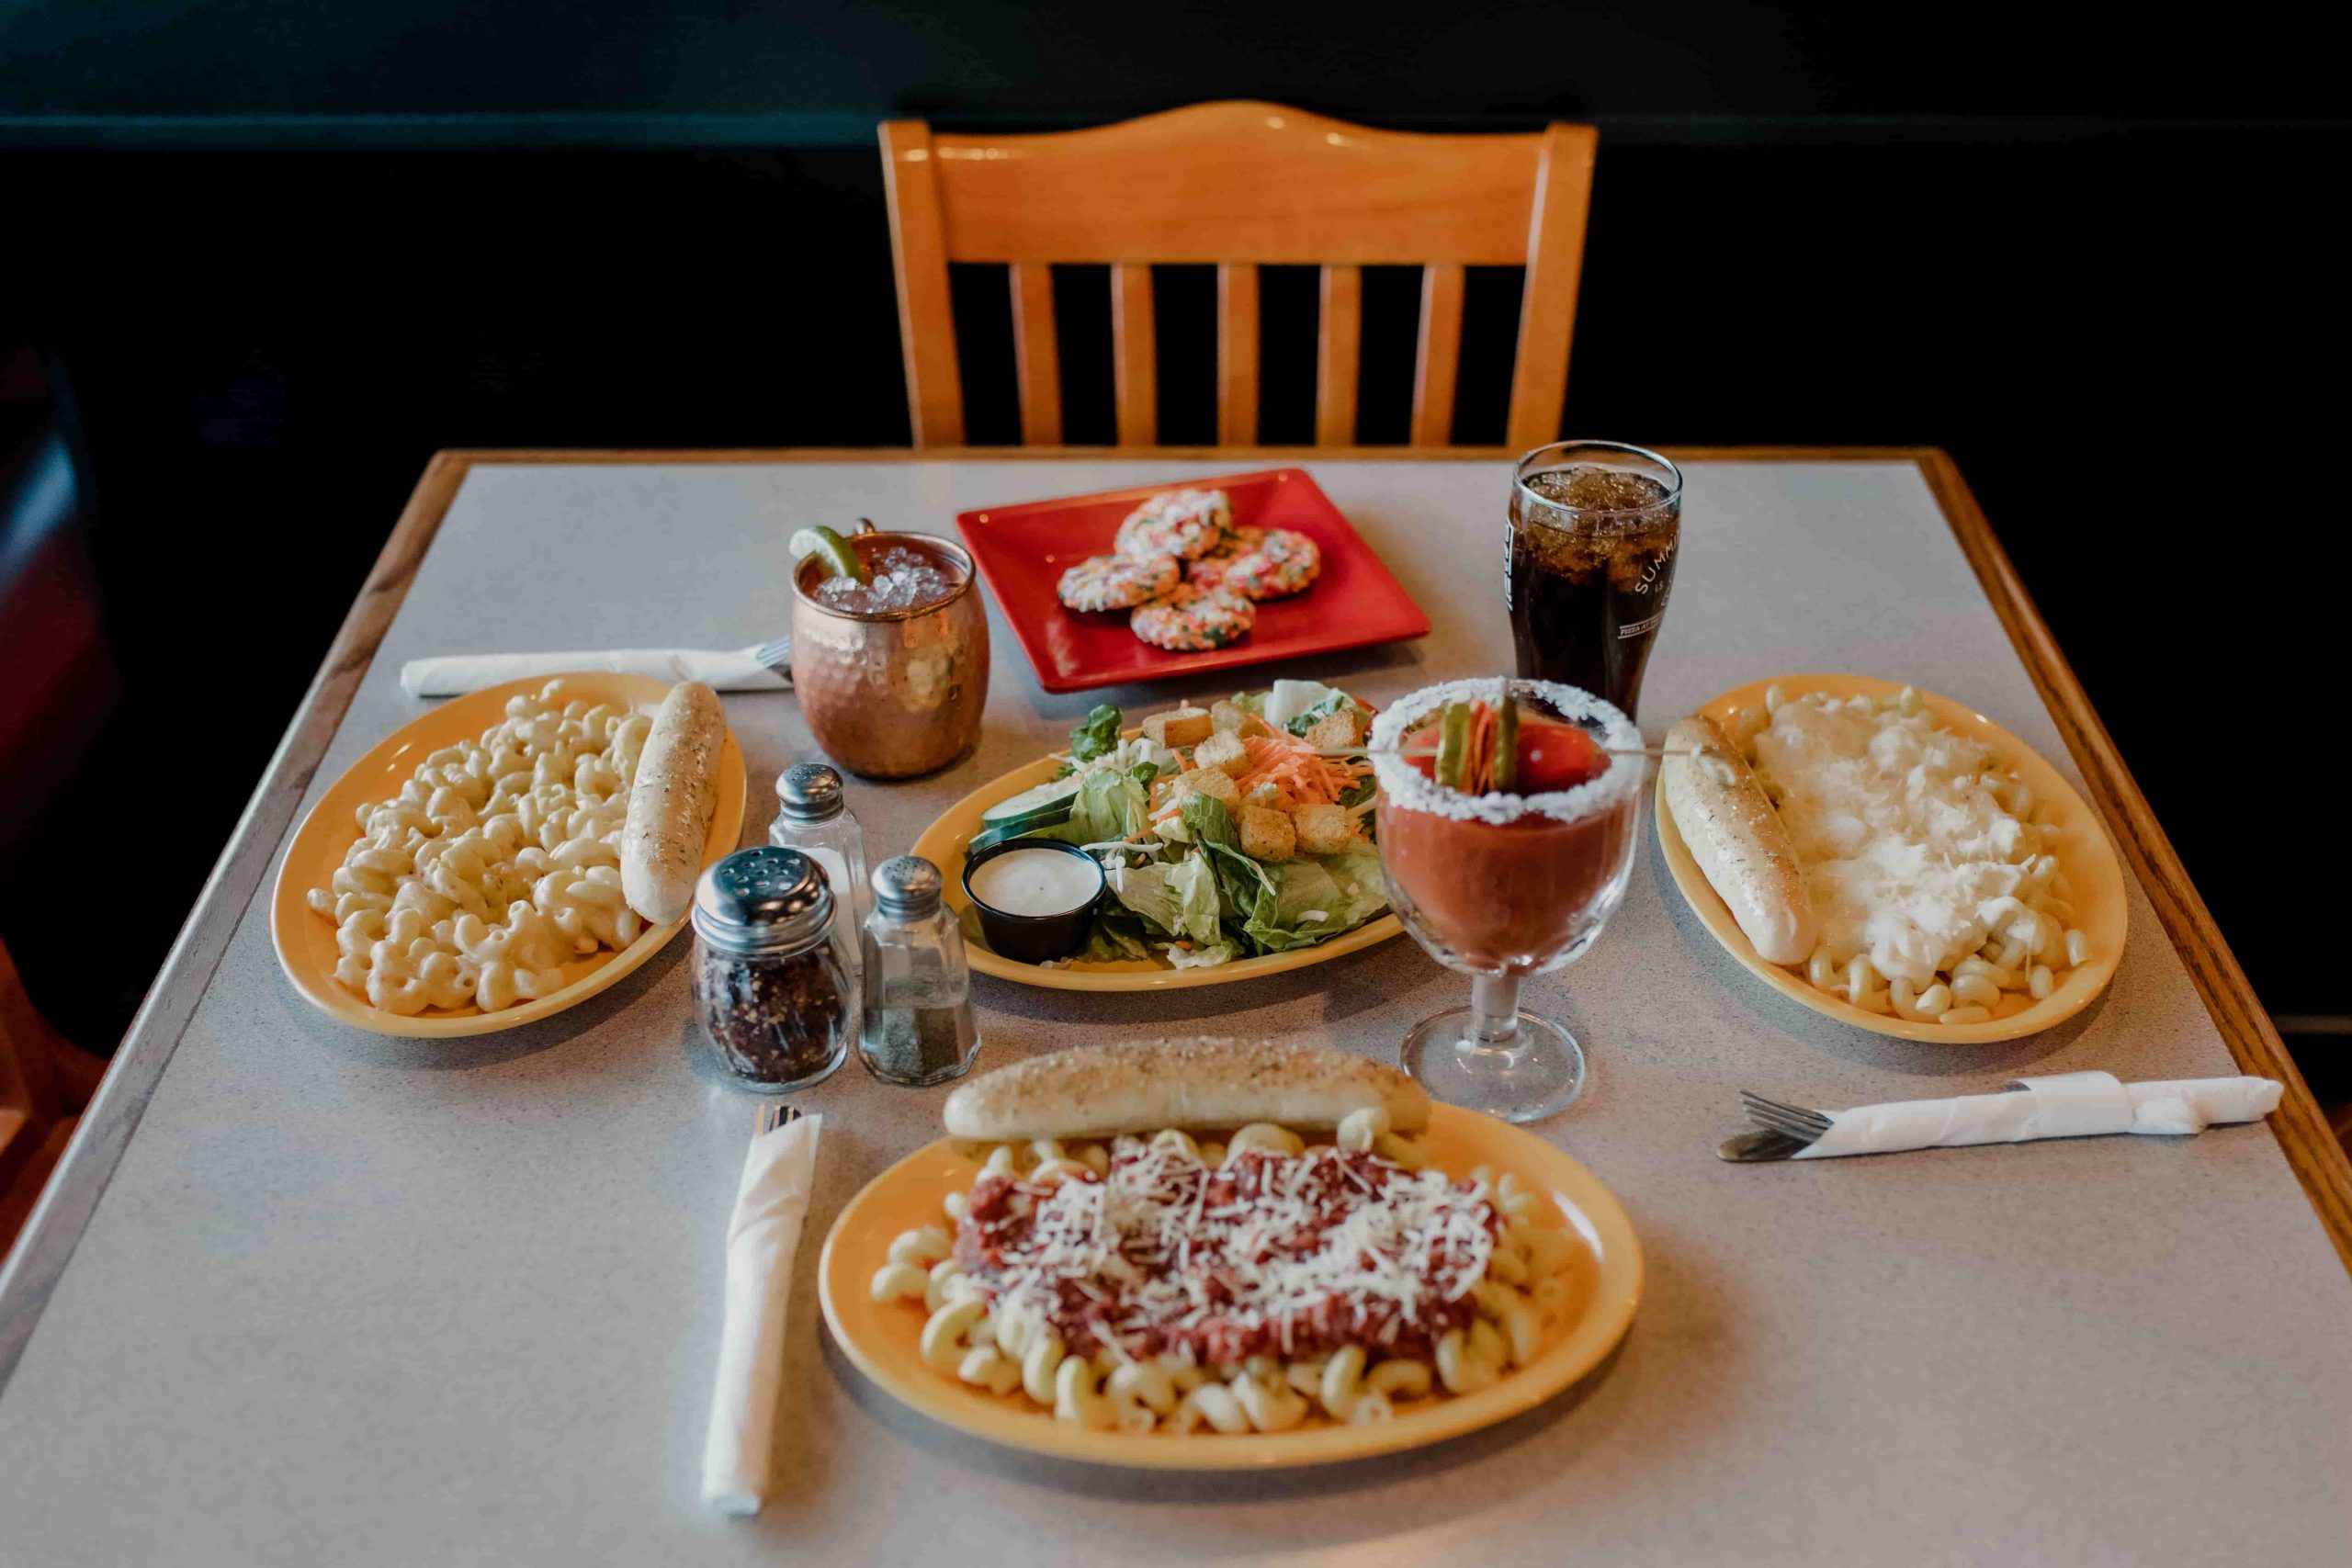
(1911, 859)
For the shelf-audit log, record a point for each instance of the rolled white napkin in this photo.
(762, 1238)
(448, 677)
(2064, 1105)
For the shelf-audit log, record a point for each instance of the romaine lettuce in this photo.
(1097, 734)
(1179, 895)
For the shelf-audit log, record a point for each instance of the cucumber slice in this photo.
(1452, 745)
(1507, 746)
(1046, 806)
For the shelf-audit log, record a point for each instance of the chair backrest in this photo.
(1238, 185)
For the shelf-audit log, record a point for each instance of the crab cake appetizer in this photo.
(1282, 563)
(1187, 524)
(1194, 620)
(1119, 582)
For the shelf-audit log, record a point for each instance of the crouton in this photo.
(1267, 835)
(1224, 752)
(1232, 718)
(1210, 782)
(1323, 829)
(1340, 729)
(1178, 726)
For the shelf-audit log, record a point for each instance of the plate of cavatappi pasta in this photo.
(465, 874)
(1120, 1256)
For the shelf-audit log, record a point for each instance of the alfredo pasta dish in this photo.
(498, 860)
(565, 829)
(1185, 1285)
(1900, 864)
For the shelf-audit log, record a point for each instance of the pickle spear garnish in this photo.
(1452, 744)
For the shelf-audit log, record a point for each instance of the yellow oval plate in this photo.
(1605, 1285)
(2088, 860)
(943, 844)
(305, 939)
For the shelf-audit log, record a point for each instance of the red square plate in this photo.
(1023, 549)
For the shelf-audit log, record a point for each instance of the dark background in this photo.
(258, 261)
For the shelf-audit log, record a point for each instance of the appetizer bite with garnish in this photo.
(1224, 833)
(1190, 580)
(1904, 867)
(1222, 1237)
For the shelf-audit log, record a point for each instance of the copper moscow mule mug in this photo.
(889, 693)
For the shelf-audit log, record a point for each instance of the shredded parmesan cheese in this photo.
(1270, 1254)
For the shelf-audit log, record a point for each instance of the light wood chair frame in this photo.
(1237, 185)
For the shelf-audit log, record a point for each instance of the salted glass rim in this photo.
(1406, 786)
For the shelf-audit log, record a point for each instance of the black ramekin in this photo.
(1033, 939)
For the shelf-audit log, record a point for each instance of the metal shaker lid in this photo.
(810, 792)
(906, 886)
(763, 899)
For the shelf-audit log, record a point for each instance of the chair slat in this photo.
(1035, 352)
(1548, 311)
(1135, 362)
(926, 315)
(1336, 354)
(1236, 355)
(1437, 358)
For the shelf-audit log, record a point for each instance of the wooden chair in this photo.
(1239, 185)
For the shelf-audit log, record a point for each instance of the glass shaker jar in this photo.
(772, 992)
(918, 1025)
(813, 816)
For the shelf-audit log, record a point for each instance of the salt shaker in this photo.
(918, 1025)
(772, 991)
(813, 816)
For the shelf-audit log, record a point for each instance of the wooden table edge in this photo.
(56, 1225)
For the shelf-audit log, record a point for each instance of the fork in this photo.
(776, 654)
(1797, 1121)
(778, 1113)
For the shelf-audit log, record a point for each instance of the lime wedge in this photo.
(1452, 745)
(839, 558)
(1507, 745)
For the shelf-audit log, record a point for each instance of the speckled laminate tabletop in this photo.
(357, 1299)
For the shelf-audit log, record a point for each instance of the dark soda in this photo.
(1591, 561)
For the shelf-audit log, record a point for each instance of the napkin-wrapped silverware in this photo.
(764, 667)
(761, 1239)
(2062, 1105)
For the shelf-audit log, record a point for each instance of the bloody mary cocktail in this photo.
(1506, 824)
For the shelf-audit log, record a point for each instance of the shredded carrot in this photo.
(1300, 777)
(1478, 756)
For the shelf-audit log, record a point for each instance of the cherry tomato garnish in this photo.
(1553, 756)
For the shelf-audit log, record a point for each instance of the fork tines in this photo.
(1797, 1121)
(774, 654)
(777, 1113)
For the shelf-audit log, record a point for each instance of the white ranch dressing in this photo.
(1035, 882)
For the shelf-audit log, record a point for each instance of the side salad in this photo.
(1225, 832)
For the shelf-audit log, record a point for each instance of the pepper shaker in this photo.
(918, 1027)
(772, 989)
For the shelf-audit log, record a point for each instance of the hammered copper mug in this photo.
(889, 693)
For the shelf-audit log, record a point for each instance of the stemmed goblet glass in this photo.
(1502, 885)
